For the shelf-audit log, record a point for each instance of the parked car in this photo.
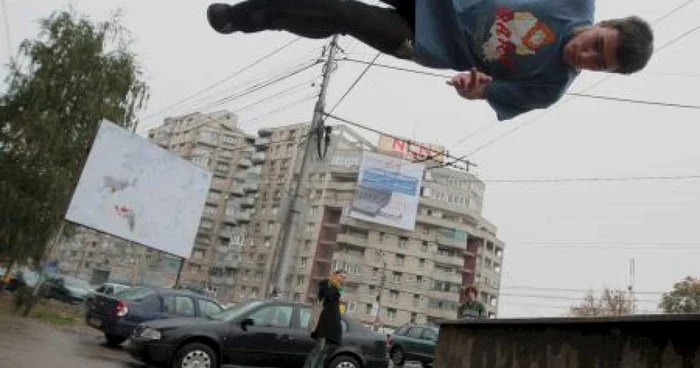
(271, 333)
(117, 315)
(66, 289)
(108, 288)
(413, 343)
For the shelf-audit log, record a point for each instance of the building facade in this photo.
(396, 276)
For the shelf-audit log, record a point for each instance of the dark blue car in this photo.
(117, 315)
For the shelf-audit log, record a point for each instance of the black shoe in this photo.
(220, 19)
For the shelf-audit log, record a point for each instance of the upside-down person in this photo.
(518, 55)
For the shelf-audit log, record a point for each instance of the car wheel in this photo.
(114, 340)
(397, 356)
(195, 355)
(344, 361)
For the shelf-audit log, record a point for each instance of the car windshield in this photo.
(134, 294)
(76, 283)
(236, 311)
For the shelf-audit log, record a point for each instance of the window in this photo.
(424, 247)
(429, 334)
(416, 300)
(273, 316)
(391, 313)
(300, 280)
(402, 242)
(421, 262)
(178, 305)
(401, 331)
(303, 262)
(381, 237)
(394, 294)
(207, 308)
(397, 277)
(352, 307)
(400, 260)
(305, 315)
(415, 332)
(368, 308)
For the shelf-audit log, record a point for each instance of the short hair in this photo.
(636, 43)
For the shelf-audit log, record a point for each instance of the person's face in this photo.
(594, 49)
(342, 277)
(471, 295)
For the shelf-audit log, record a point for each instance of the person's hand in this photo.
(472, 85)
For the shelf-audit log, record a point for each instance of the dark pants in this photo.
(319, 354)
(389, 30)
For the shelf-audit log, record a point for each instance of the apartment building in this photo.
(401, 276)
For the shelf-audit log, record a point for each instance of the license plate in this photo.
(94, 322)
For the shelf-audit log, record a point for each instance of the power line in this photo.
(224, 80)
(357, 80)
(642, 102)
(281, 108)
(554, 289)
(276, 94)
(411, 142)
(260, 86)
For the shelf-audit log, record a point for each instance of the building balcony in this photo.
(251, 186)
(259, 158)
(261, 142)
(245, 163)
(265, 132)
(230, 219)
(247, 202)
(453, 238)
(218, 280)
(454, 260)
(237, 190)
(243, 217)
(352, 240)
(341, 186)
(452, 277)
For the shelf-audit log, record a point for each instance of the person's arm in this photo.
(472, 85)
(512, 98)
(508, 98)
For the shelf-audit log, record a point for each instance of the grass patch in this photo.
(49, 311)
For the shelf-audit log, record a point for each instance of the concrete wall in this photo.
(657, 341)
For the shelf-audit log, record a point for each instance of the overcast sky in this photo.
(573, 235)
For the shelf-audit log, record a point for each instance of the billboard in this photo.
(411, 149)
(388, 190)
(135, 190)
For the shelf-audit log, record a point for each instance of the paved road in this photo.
(30, 344)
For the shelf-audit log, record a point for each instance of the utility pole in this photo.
(631, 286)
(382, 282)
(287, 238)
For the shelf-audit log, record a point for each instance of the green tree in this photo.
(59, 88)
(684, 298)
(610, 303)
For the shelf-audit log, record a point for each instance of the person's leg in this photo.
(381, 28)
(316, 353)
(327, 350)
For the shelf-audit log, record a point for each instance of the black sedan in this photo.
(253, 334)
(117, 315)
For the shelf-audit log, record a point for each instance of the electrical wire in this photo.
(281, 108)
(259, 86)
(357, 80)
(411, 142)
(224, 80)
(287, 90)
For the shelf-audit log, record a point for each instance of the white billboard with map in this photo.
(388, 191)
(135, 190)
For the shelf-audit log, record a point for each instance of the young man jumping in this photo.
(521, 54)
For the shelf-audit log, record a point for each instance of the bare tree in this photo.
(610, 303)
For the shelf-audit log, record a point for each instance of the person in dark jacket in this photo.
(471, 308)
(329, 332)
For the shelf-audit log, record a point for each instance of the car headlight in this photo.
(150, 333)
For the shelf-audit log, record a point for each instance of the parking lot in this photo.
(27, 343)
